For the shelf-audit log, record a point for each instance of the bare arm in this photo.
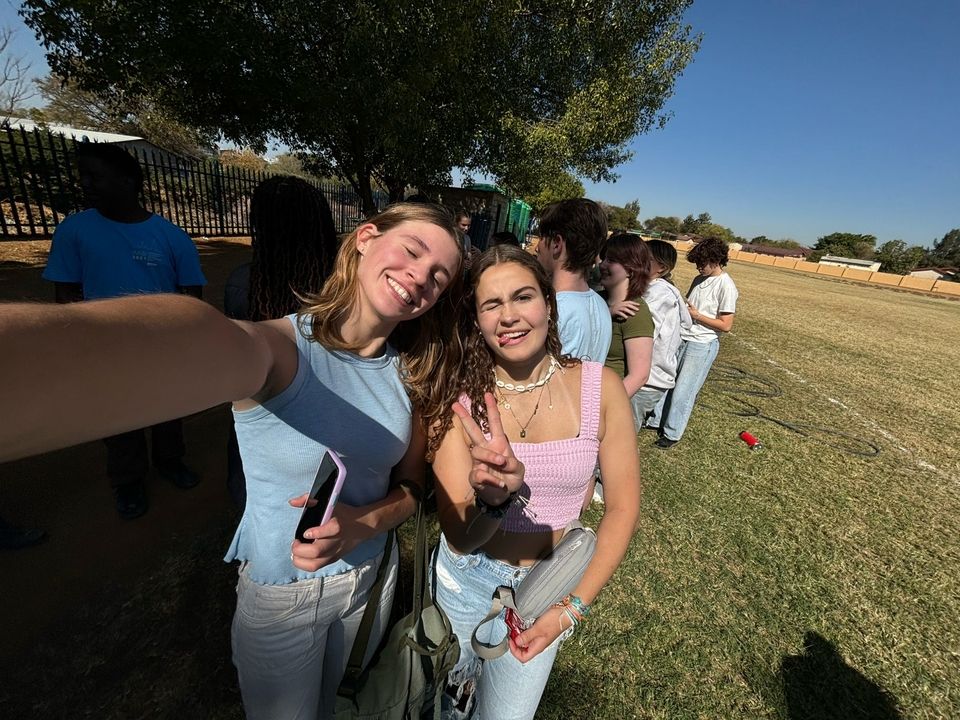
(724, 323)
(77, 372)
(467, 465)
(620, 466)
(638, 351)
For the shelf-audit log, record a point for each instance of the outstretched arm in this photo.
(72, 373)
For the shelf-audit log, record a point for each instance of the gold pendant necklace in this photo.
(523, 426)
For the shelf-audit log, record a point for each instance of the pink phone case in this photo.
(311, 516)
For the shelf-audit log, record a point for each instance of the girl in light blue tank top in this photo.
(347, 389)
(363, 370)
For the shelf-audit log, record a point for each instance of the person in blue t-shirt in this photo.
(115, 248)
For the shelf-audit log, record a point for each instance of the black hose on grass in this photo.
(733, 382)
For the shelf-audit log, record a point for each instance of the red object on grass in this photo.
(750, 440)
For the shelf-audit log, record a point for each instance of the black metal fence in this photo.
(39, 187)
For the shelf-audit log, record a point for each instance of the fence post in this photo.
(9, 183)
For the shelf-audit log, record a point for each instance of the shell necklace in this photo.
(530, 386)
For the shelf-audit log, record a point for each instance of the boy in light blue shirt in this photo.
(572, 233)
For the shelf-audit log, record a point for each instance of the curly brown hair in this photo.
(475, 375)
(710, 250)
(294, 243)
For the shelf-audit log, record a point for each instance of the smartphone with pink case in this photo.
(326, 489)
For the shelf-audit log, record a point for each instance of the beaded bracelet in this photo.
(578, 605)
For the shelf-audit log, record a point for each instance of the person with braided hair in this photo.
(294, 243)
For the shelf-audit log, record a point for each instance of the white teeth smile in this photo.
(398, 288)
(512, 335)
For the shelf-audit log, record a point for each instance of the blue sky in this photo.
(801, 118)
(797, 118)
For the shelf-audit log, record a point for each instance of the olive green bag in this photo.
(407, 676)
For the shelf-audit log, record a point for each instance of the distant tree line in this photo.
(894, 256)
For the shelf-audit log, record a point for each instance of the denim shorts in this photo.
(506, 689)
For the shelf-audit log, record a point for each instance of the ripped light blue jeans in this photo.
(291, 643)
(505, 688)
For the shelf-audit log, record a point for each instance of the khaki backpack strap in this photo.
(502, 597)
(351, 678)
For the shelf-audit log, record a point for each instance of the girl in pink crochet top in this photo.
(517, 456)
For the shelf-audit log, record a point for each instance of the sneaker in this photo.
(15, 538)
(664, 442)
(180, 475)
(131, 500)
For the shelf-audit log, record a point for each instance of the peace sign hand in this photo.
(496, 472)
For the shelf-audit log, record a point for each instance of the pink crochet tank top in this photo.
(557, 471)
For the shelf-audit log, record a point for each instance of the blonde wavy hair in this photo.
(429, 348)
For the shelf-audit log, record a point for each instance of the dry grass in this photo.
(798, 581)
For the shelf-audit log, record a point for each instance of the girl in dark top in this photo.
(625, 273)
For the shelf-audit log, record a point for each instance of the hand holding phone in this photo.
(323, 495)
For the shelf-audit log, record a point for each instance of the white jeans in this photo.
(291, 642)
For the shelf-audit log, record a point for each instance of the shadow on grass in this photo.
(574, 692)
(819, 685)
(158, 649)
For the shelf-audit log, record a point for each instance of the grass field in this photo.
(798, 581)
(804, 580)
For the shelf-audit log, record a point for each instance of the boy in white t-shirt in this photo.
(712, 301)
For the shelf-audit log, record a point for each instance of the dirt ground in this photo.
(89, 549)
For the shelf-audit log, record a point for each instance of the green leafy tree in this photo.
(786, 243)
(717, 231)
(895, 257)
(288, 164)
(696, 225)
(561, 186)
(850, 245)
(946, 251)
(662, 224)
(623, 218)
(110, 110)
(391, 93)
